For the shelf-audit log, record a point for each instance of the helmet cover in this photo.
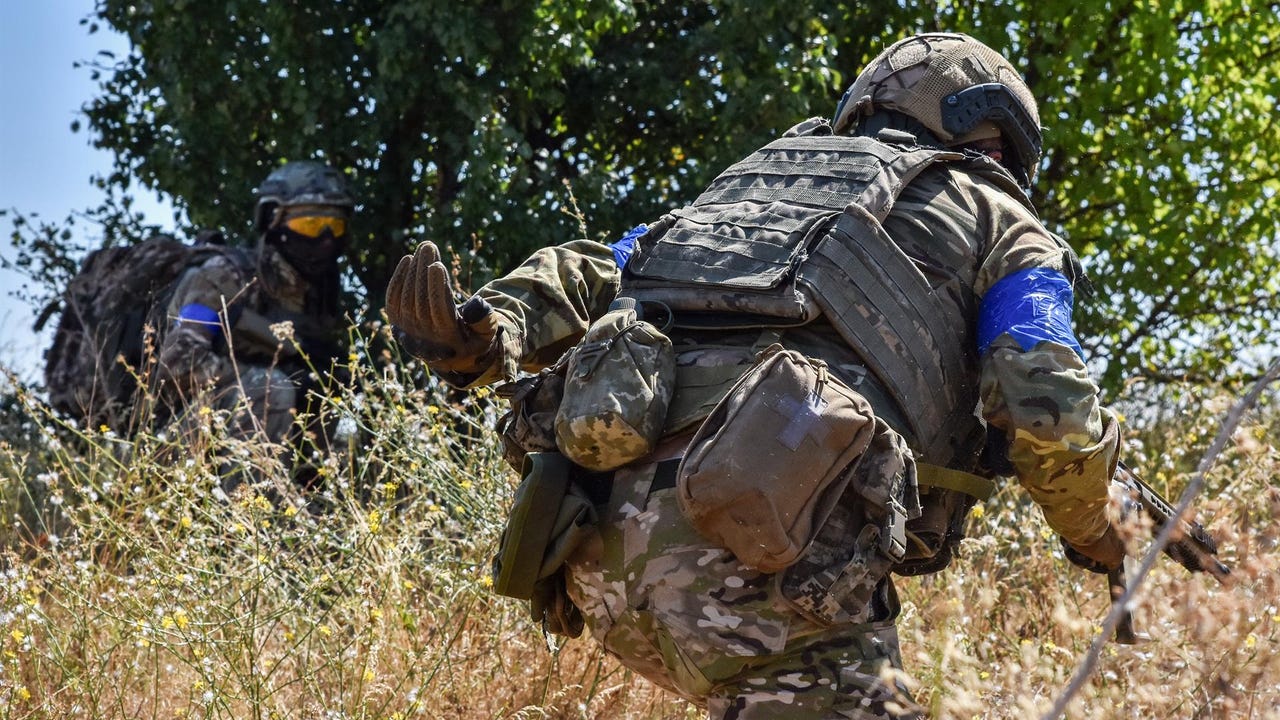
(953, 85)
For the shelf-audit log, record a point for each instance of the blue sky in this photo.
(44, 167)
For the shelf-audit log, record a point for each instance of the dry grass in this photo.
(132, 588)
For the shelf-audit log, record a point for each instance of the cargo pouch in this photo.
(769, 464)
(550, 516)
(529, 425)
(618, 384)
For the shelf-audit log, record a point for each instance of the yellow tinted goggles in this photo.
(314, 225)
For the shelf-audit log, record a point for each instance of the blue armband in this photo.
(623, 249)
(202, 315)
(1032, 306)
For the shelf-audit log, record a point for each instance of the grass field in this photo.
(131, 586)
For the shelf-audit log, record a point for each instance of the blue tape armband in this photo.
(623, 249)
(1032, 306)
(203, 316)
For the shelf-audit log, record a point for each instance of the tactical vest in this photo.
(794, 232)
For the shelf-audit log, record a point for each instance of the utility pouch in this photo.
(549, 517)
(765, 469)
(529, 425)
(617, 386)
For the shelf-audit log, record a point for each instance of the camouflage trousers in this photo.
(688, 616)
(263, 399)
(260, 403)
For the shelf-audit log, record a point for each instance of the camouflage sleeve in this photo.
(545, 305)
(1063, 444)
(187, 356)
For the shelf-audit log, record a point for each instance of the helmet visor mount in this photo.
(965, 110)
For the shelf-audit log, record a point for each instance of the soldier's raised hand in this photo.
(427, 322)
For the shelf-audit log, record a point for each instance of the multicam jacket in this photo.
(250, 298)
(964, 227)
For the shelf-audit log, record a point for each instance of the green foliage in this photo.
(462, 122)
(1161, 171)
(460, 119)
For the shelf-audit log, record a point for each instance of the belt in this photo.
(599, 485)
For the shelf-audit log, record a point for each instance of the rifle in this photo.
(1191, 545)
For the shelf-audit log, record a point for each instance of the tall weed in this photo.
(134, 586)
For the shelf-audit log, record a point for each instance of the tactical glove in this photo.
(1101, 556)
(450, 338)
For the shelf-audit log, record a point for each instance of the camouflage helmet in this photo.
(304, 182)
(957, 88)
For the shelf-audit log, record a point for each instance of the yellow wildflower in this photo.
(977, 512)
(23, 693)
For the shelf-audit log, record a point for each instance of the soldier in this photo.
(236, 315)
(896, 244)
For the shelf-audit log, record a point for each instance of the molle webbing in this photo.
(794, 231)
(736, 248)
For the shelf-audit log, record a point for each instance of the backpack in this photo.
(110, 309)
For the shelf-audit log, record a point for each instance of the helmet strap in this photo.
(883, 119)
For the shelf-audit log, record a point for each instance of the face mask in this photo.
(313, 257)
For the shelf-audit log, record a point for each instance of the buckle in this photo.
(894, 542)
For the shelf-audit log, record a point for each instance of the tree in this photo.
(470, 123)
(461, 122)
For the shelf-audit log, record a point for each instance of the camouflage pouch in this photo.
(618, 384)
(835, 580)
(766, 468)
